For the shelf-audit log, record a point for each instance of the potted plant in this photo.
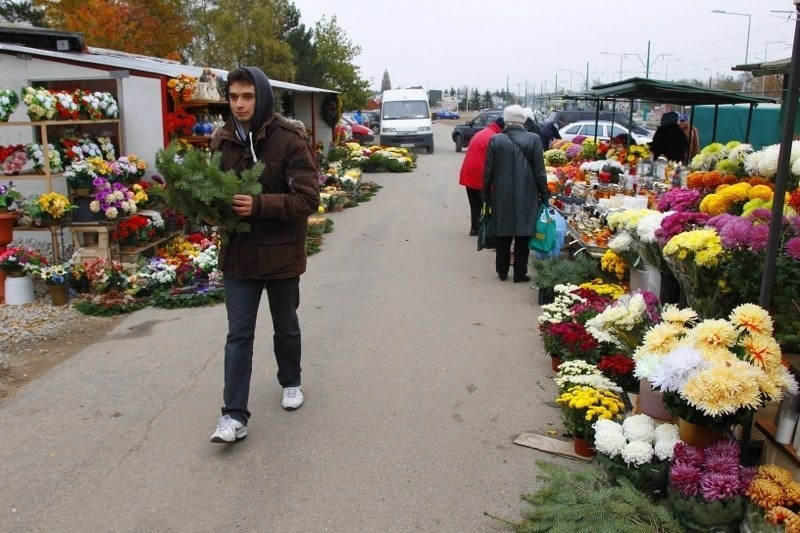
(552, 271)
(35, 153)
(581, 407)
(638, 450)
(79, 176)
(8, 102)
(768, 500)
(111, 200)
(56, 278)
(40, 102)
(56, 209)
(9, 195)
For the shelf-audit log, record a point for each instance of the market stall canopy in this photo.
(767, 68)
(665, 92)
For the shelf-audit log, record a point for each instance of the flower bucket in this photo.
(583, 447)
(19, 290)
(555, 362)
(700, 436)
(651, 402)
(59, 294)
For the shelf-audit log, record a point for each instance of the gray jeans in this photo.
(242, 299)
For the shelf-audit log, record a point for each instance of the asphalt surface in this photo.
(420, 369)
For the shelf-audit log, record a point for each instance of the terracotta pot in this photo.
(555, 362)
(700, 436)
(59, 294)
(583, 447)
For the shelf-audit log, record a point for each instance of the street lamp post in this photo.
(747, 45)
(764, 77)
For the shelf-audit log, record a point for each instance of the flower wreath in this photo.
(331, 110)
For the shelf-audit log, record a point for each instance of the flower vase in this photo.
(7, 222)
(697, 435)
(59, 294)
(19, 290)
(651, 402)
(583, 447)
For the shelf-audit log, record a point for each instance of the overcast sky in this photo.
(440, 44)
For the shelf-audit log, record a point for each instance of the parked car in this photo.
(446, 114)
(463, 133)
(361, 134)
(374, 118)
(604, 129)
(576, 115)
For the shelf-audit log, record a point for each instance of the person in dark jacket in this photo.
(549, 132)
(515, 183)
(669, 140)
(272, 255)
(471, 176)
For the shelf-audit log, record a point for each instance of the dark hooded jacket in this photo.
(275, 247)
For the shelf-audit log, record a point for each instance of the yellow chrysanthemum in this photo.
(672, 313)
(714, 333)
(762, 350)
(662, 337)
(723, 389)
(762, 192)
(752, 319)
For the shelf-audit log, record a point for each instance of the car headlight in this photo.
(424, 129)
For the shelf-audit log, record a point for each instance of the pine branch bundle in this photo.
(197, 186)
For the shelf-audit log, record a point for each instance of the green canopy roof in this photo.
(666, 92)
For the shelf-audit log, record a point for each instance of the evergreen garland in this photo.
(585, 500)
(331, 110)
(189, 297)
(197, 186)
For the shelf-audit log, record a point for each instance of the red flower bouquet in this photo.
(571, 341)
(133, 230)
(619, 369)
(180, 122)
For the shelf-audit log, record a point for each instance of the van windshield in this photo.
(405, 109)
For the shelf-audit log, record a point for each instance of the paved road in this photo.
(420, 368)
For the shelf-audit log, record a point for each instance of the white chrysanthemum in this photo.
(796, 168)
(675, 368)
(646, 364)
(594, 381)
(622, 242)
(739, 152)
(606, 425)
(664, 449)
(751, 162)
(647, 226)
(666, 432)
(637, 453)
(610, 443)
(639, 427)
(768, 165)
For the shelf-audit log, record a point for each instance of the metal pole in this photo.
(647, 67)
(586, 80)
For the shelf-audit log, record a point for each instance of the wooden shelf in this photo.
(200, 103)
(767, 427)
(60, 122)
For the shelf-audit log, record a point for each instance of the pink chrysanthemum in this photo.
(715, 486)
(686, 453)
(685, 478)
(792, 248)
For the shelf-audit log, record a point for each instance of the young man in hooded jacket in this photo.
(272, 255)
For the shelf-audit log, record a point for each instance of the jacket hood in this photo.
(265, 99)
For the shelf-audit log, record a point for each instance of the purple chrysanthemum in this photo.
(758, 237)
(792, 248)
(728, 447)
(718, 222)
(679, 200)
(793, 223)
(735, 233)
(722, 464)
(686, 453)
(678, 223)
(573, 151)
(760, 215)
(715, 486)
(746, 476)
(652, 306)
(685, 478)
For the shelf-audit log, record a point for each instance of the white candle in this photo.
(786, 427)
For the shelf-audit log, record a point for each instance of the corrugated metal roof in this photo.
(151, 65)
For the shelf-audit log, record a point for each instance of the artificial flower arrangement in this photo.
(707, 485)
(180, 122)
(9, 195)
(40, 102)
(128, 168)
(111, 200)
(638, 450)
(17, 261)
(8, 102)
(109, 153)
(714, 372)
(139, 195)
(133, 230)
(98, 105)
(182, 87)
(14, 163)
(771, 496)
(59, 274)
(67, 104)
(582, 406)
(80, 175)
(35, 153)
(55, 206)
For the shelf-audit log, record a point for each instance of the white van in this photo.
(406, 119)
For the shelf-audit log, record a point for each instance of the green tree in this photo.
(475, 99)
(21, 12)
(336, 53)
(386, 83)
(487, 100)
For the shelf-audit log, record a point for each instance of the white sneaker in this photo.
(229, 430)
(292, 398)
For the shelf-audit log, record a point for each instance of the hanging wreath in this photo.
(331, 110)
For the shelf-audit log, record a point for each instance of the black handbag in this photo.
(485, 237)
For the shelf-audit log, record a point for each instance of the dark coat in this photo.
(670, 141)
(515, 180)
(275, 247)
(548, 133)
